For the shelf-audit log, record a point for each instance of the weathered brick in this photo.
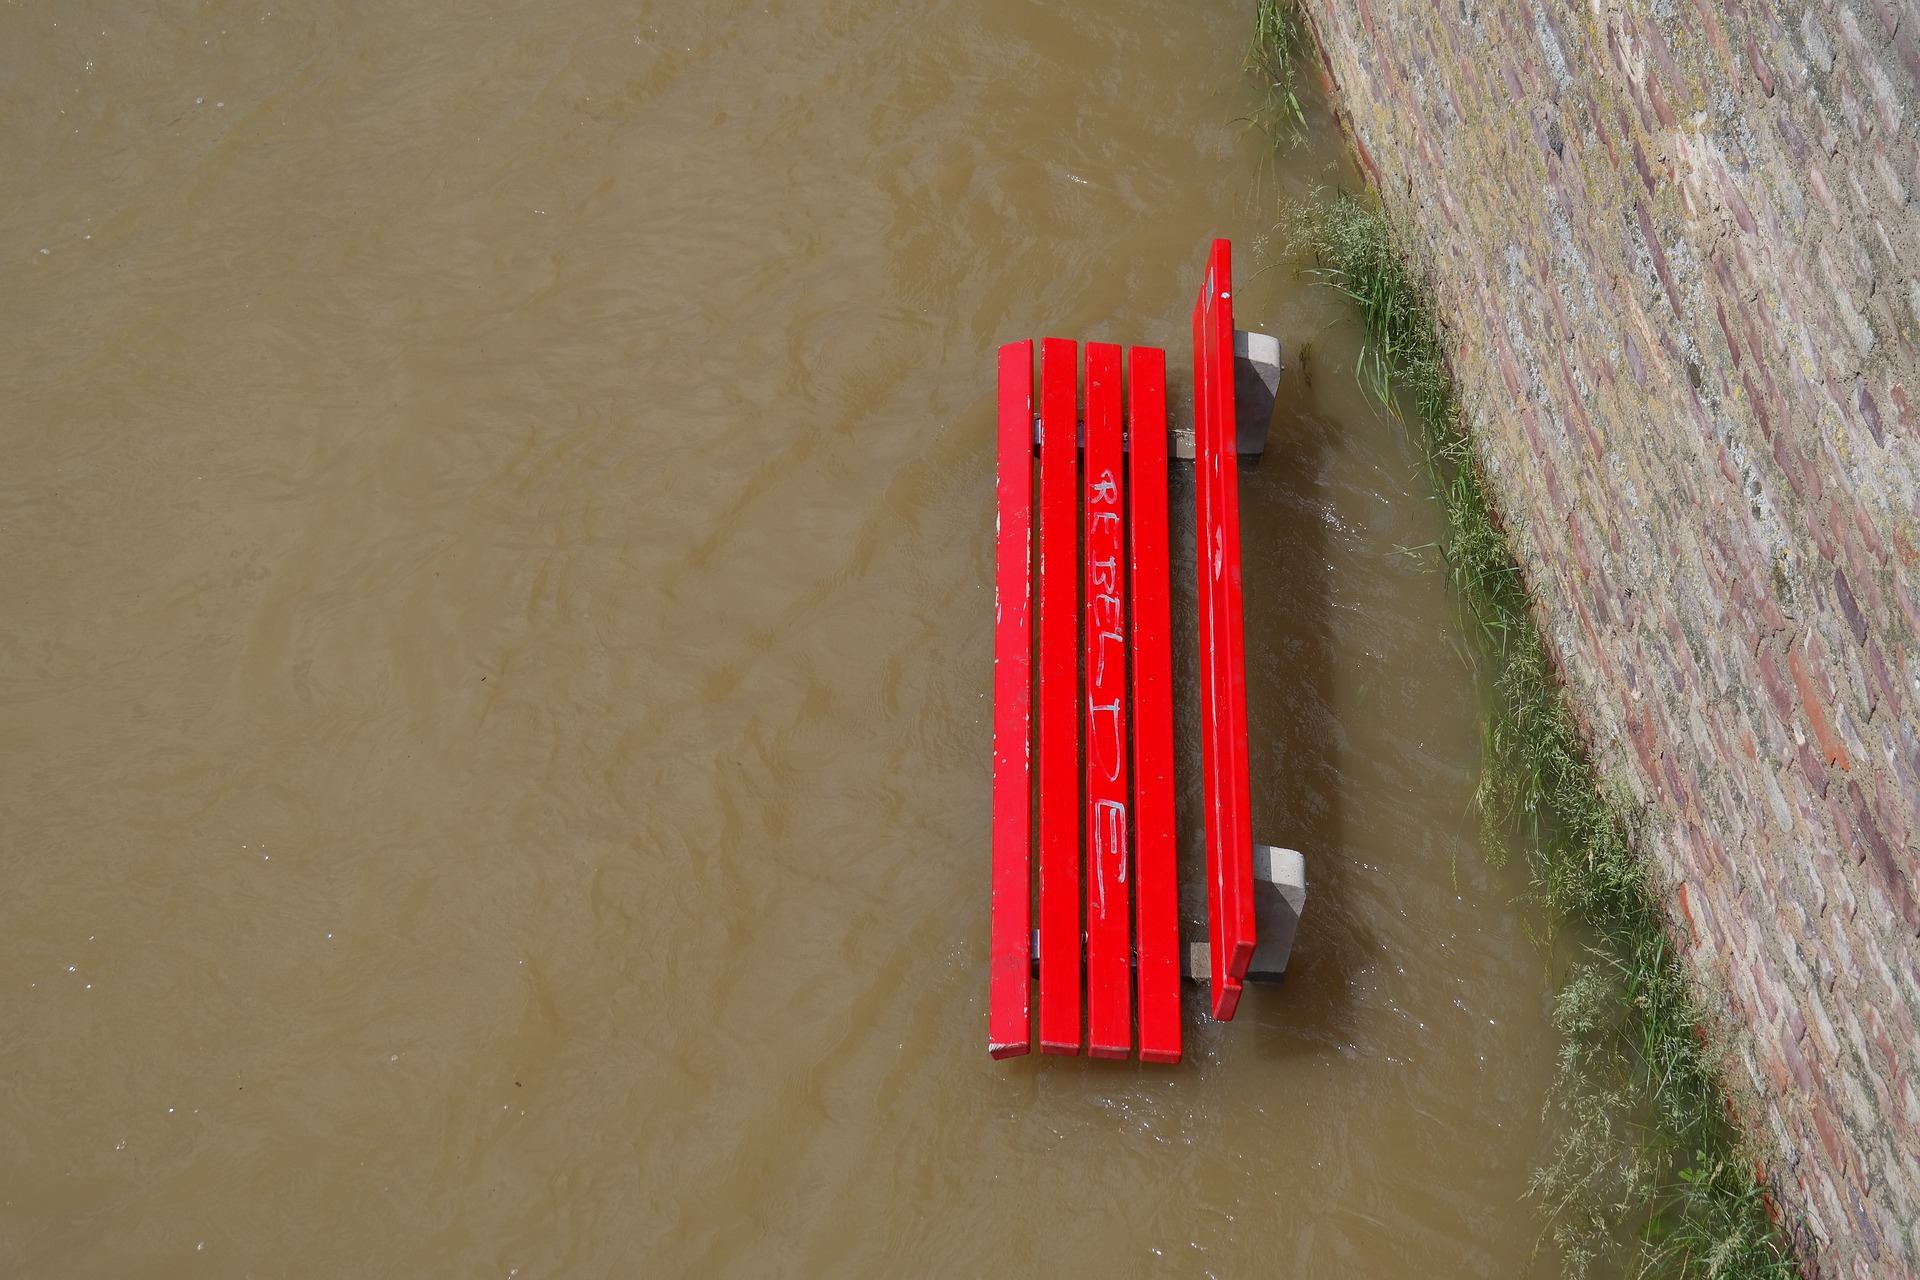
(1816, 710)
(1869, 1229)
(1839, 1155)
(1886, 102)
(1849, 608)
(1819, 52)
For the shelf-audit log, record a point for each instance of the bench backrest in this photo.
(1223, 663)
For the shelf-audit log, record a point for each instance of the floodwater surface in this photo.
(495, 644)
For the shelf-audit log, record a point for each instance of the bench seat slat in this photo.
(1156, 878)
(1009, 1000)
(1059, 686)
(1104, 662)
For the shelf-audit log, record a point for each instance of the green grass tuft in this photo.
(1273, 60)
(1648, 1176)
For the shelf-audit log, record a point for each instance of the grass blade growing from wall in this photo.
(1273, 60)
(1648, 1175)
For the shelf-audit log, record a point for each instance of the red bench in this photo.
(1082, 637)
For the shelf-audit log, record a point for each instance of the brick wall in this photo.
(1677, 244)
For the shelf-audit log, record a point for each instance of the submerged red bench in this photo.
(1083, 697)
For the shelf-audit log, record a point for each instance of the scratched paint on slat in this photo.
(1104, 661)
(1156, 877)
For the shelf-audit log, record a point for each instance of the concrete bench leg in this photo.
(1279, 897)
(1256, 385)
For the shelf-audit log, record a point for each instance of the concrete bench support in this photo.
(1279, 898)
(1256, 388)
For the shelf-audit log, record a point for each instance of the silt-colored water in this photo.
(495, 647)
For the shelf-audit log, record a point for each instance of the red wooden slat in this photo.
(1156, 880)
(1239, 828)
(1009, 1017)
(1059, 802)
(1239, 803)
(1204, 503)
(1104, 636)
(1223, 693)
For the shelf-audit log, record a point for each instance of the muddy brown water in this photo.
(495, 639)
